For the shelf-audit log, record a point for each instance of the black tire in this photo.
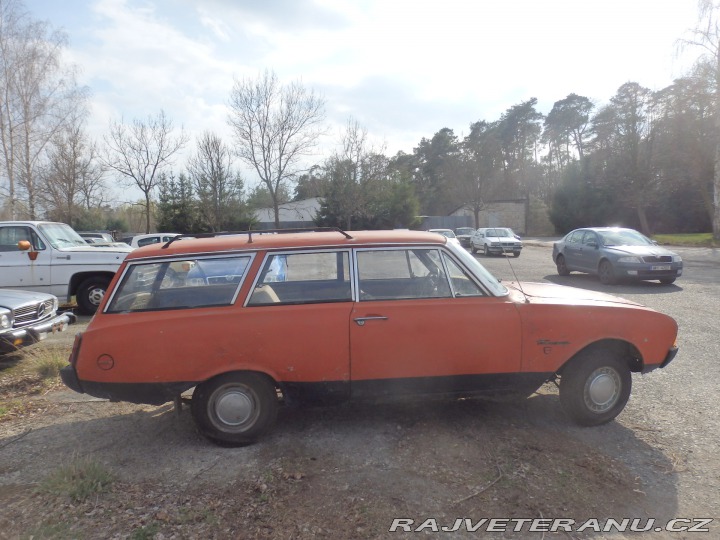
(667, 281)
(562, 268)
(595, 387)
(472, 248)
(90, 294)
(606, 273)
(516, 254)
(486, 250)
(235, 408)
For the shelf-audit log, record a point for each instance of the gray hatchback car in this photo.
(615, 254)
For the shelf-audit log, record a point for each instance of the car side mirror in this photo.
(24, 245)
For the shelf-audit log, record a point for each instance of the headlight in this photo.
(55, 305)
(677, 258)
(6, 318)
(629, 260)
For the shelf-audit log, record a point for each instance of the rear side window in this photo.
(179, 284)
(303, 278)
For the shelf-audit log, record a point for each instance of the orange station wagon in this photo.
(250, 321)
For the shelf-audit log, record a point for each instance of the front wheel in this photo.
(595, 387)
(235, 408)
(90, 294)
(486, 250)
(667, 281)
(606, 273)
(472, 248)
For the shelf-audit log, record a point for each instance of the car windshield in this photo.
(624, 238)
(61, 235)
(490, 281)
(465, 230)
(499, 232)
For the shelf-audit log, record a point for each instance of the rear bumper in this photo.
(146, 393)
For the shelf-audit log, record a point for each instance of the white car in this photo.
(496, 241)
(153, 238)
(447, 233)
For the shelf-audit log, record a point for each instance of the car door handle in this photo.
(361, 320)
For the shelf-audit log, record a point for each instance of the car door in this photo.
(590, 251)
(17, 269)
(572, 250)
(413, 330)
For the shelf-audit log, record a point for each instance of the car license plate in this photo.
(661, 267)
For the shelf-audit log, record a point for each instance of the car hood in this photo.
(503, 239)
(640, 251)
(11, 298)
(561, 294)
(97, 249)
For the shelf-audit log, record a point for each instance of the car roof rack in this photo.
(258, 231)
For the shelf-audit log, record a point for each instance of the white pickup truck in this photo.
(52, 258)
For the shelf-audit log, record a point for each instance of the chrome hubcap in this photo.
(602, 389)
(95, 296)
(234, 408)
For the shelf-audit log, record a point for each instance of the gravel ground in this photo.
(347, 472)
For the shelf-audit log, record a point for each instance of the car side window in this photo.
(590, 237)
(462, 284)
(576, 237)
(179, 284)
(303, 278)
(400, 274)
(10, 236)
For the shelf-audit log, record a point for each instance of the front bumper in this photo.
(504, 249)
(16, 338)
(649, 271)
(668, 358)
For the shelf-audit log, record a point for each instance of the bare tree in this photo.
(39, 96)
(139, 152)
(707, 36)
(73, 177)
(275, 126)
(218, 187)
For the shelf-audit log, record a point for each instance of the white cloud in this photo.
(403, 68)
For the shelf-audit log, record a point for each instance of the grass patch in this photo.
(78, 480)
(146, 532)
(688, 240)
(48, 362)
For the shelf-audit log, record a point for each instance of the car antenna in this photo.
(512, 269)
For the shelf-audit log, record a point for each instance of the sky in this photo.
(402, 69)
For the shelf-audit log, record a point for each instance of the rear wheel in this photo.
(235, 408)
(90, 294)
(595, 387)
(606, 273)
(562, 268)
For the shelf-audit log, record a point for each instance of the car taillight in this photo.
(75, 349)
